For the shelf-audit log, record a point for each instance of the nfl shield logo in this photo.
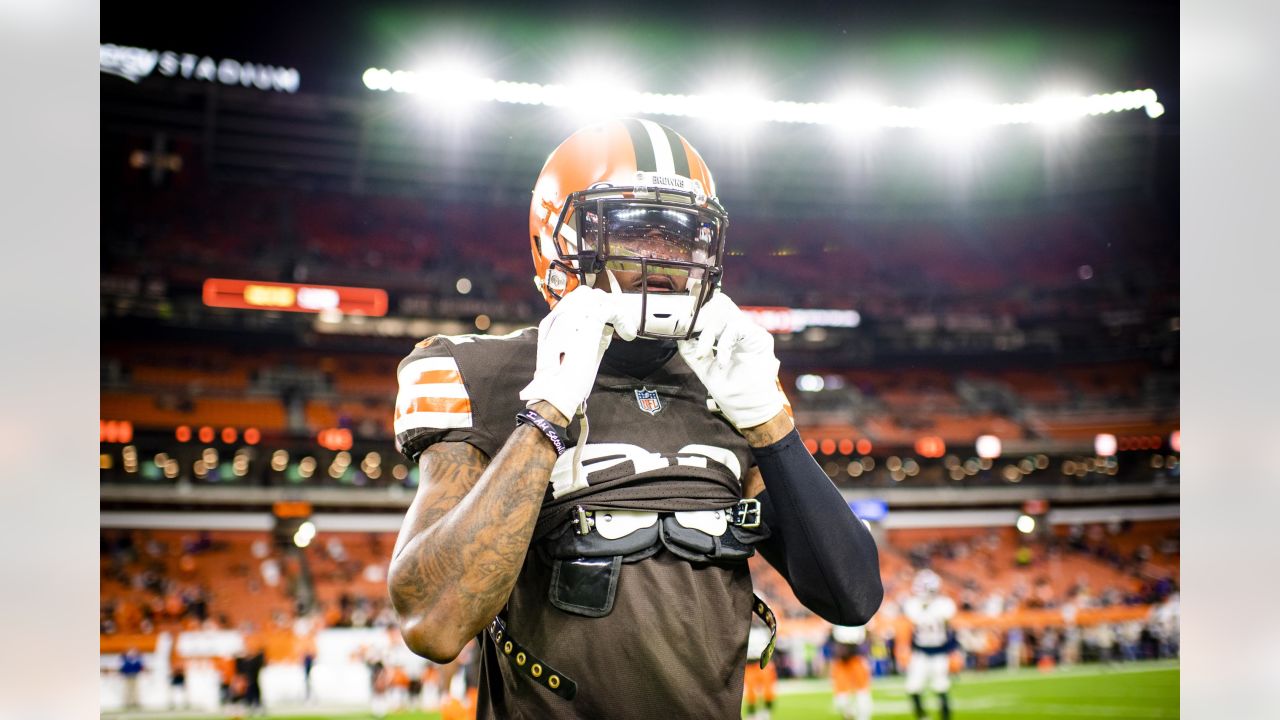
(648, 400)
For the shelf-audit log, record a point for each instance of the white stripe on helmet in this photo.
(666, 163)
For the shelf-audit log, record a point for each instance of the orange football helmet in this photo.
(630, 195)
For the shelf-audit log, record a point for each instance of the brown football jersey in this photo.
(674, 642)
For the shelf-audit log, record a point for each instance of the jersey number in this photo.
(602, 456)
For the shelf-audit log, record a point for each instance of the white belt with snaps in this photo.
(711, 522)
(614, 524)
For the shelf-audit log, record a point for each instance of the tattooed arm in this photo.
(465, 536)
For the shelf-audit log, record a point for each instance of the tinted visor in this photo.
(661, 234)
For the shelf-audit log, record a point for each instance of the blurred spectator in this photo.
(308, 661)
(131, 667)
(177, 682)
(1129, 637)
(226, 668)
(1048, 644)
(249, 667)
(1164, 620)
(1023, 556)
(1105, 638)
(271, 572)
(260, 549)
(1014, 642)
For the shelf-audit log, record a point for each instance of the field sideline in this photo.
(1134, 690)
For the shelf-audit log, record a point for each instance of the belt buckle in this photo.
(747, 513)
(583, 520)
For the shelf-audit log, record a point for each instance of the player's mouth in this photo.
(660, 283)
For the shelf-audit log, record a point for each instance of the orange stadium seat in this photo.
(228, 379)
(147, 411)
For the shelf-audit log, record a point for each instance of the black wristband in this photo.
(558, 436)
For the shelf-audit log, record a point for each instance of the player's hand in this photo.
(571, 340)
(733, 357)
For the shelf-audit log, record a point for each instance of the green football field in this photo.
(1136, 690)
(1133, 690)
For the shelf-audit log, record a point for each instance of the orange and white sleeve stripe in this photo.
(432, 395)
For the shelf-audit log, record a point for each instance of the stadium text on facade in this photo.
(134, 64)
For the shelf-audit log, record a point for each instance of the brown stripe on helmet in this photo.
(679, 153)
(646, 157)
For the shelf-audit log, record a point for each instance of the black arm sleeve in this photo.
(823, 550)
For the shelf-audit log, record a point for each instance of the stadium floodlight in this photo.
(956, 115)
(959, 113)
(1053, 111)
(854, 115)
(450, 85)
(377, 79)
(1104, 444)
(988, 447)
(598, 90)
(738, 105)
(1026, 524)
(405, 81)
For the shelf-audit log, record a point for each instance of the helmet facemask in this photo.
(672, 240)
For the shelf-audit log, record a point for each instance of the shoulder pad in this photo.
(462, 387)
(431, 392)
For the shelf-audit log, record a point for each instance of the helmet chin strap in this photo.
(614, 287)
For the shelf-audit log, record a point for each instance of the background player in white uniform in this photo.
(930, 615)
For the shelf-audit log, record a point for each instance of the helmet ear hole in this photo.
(558, 281)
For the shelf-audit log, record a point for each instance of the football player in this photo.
(850, 673)
(932, 641)
(592, 488)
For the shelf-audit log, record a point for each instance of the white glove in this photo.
(733, 357)
(571, 340)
